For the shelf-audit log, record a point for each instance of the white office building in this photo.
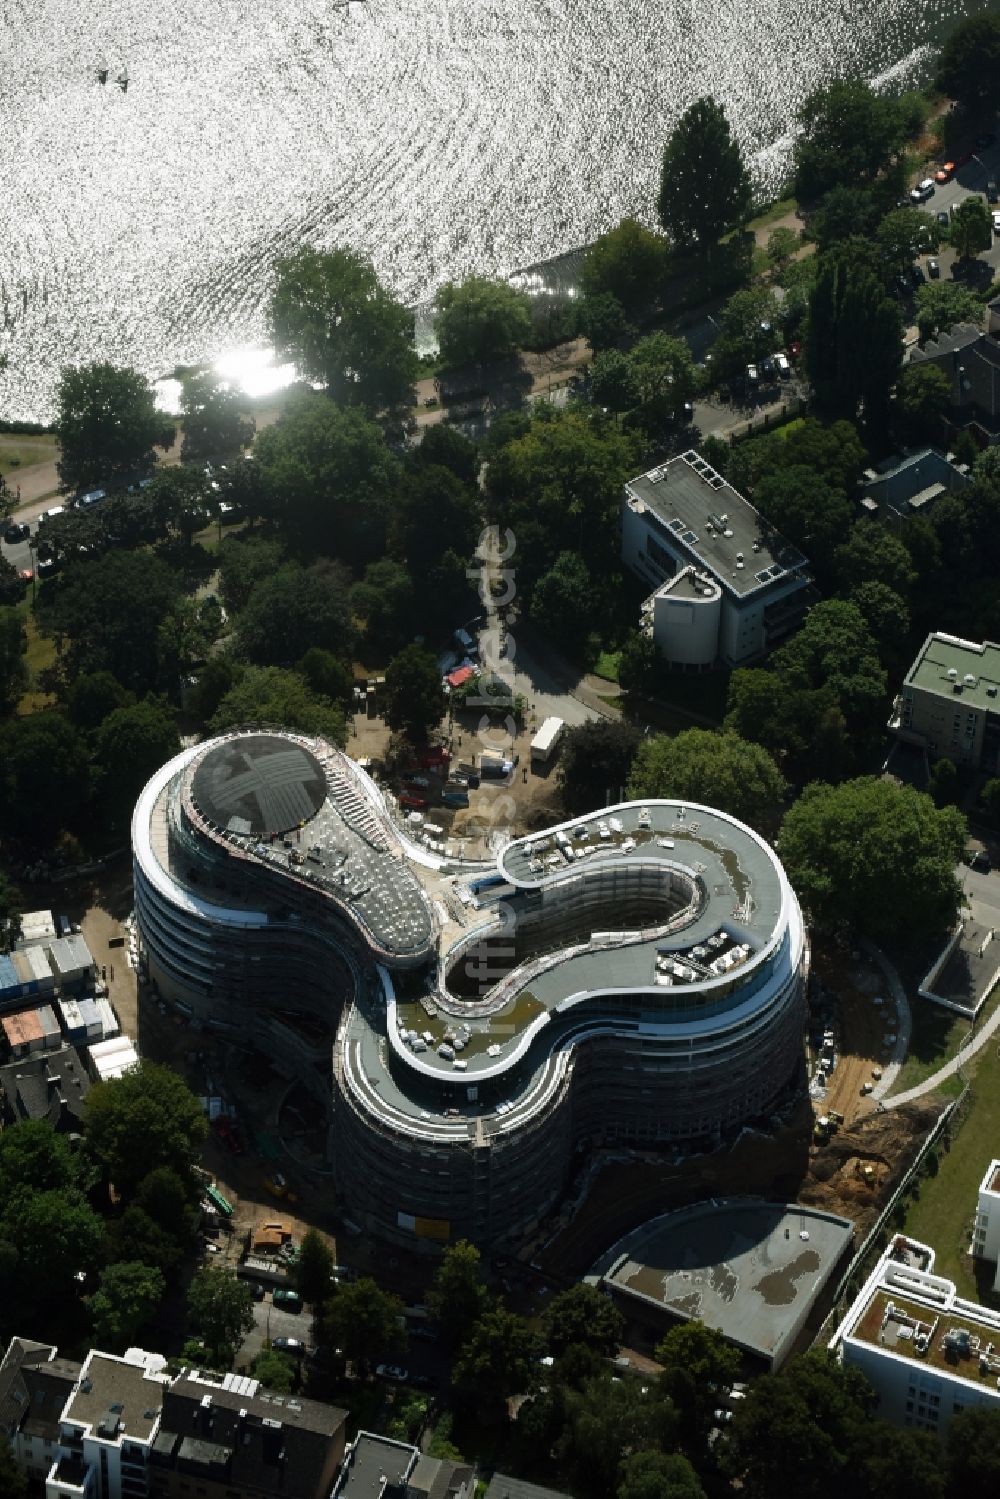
(725, 586)
(986, 1234)
(928, 1353)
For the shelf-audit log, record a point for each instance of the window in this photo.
(909, 1405)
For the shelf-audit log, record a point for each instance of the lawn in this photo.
(607, 665)
(772, 213)
(20, 450)
(936, 1035)
(41, 653)
(943, 1214)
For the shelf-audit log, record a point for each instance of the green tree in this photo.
(331, 479)
(942, 304)
(124, 1303)
(268, 694)
(665, 376)
(436, 511)
(110, 612)
(136, 1236)
(873, 554)
(973, 1451)
(606, 1421)
(603, 321)
(659, 1475)
(902, 236)
(57, 1236)
(480, 320)
(129, 746)
(698, 1364)
(849, 137)
(221, 1310)
(34, 1158)
(798, 1431)
(874, 857)
(853, 345)
(782, 244)
(13, 666)
(144, 1119)
(313, 1268)
(168, 1198)
(717, 770)
(835, 650)
(295, 608)
(594, 760)
(327, 676)
(498, 1359)
(971, 227)
(245, 561)
(886, 615)
(627, 263)
(704, 183)
(897, 1464)
(444, 446)
(805, 507)
(276, 1371)
(458, 1295)
(969, 65)
(216, 420)
(612, 381)
(364, 1321)
(332, 317)
(750, 323)
(181, 499)
(924, 395)
(44, 774)
(10, 913)
(93, 696)
(990, 796)
(943, 784)
(13, 1483)
(107, 426)
(584, 1315)
(562, 603)
(415, 699)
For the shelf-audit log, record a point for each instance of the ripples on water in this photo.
(442, 137)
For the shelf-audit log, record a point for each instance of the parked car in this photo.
(25, 574)
(945, 173)
(18, 530)
(944, 219)
(996, 221)
(934, 269)
(392, 1371)
(992, 190)
(979, 860)
(767, 368)
(258, 1291)
(752, 376)
(782, 366)
(917, 275)
(286, 1297)
(922, 191)
(289, 1345)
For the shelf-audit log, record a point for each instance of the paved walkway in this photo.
(904, 1022)
(967, 1050)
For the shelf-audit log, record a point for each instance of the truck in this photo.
(545, 742)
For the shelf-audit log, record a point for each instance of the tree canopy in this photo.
(458, 1295)
(217, 423)
(415, 698)
(364, 1321)
(270, 694)
(942, 304)
(704, 183)
(698, 1364)
(146, 1118)
(582, 1315)
(875, 857)
(331, 315)
(221, 1310)
(293, 609)
(129, 745)
(854, 344)
(108, 426)
(480, 320)
(594, 759)
(313, 1268)
(849, 137)
(717, 770)
(969, 65)
(498, 1358)
(971, 228)
(125, 1301)
(627, 263)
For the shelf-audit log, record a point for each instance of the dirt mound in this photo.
(857, 1171)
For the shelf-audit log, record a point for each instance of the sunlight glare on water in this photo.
(440, 136)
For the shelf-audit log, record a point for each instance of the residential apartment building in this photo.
(122, 1428)
(726, 587)
(899, 487)
(970, 359)
(928, 1353)
(986, 1234)
(949, 703)
(376, 1467)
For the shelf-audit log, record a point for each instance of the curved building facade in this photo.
(633, 977)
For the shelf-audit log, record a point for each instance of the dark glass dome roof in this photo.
(259, 783)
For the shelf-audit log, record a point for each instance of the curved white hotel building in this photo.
(635, 976)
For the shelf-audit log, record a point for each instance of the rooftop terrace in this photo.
(955, 1341)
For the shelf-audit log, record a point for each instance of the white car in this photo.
(996, 222)
(391, 1371)
(782, 366)
(923, 190)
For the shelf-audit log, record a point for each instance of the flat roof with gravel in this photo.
(750, 1269)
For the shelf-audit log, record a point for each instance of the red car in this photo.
(414, 803)
(945, 173)
(25, 575)
(794, 350)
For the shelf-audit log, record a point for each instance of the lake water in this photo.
(441, 136)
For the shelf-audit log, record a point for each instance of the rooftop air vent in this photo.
(970, 680)
(952, 674)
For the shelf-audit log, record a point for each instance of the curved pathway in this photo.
(976, 1040)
